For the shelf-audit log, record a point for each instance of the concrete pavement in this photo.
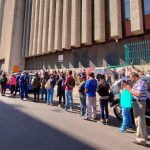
(25, 125)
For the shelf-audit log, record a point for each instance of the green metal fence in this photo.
(137, 52)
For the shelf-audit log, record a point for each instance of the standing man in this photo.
(70, 83)
(90, 89)
(139, 91)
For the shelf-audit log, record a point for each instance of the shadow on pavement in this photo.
(21, 132)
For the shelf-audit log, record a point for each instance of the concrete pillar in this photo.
(28, 28)
(36, 20)
(40, 27)
(115, 18)
(45, 26)
(12, 41)
(25, 28)
(76, 23)
(2, 2)
(99, 20)
(51, 31)
(86, 22)
(32, 28)
(136, 16)
(58, 25)
(66, 31)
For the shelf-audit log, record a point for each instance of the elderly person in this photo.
(139, 91)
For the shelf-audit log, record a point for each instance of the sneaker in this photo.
(86, 118)
(48, 103)
(59, 105)
(143, 143)
(71, 109)
(122, 130)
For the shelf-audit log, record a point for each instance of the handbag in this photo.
(48, 84)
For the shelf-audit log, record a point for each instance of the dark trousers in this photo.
(3, 90)
(83, 104)
(36, 92)
(12, 89)
(104, 108)
(61, 95)
(16, 89)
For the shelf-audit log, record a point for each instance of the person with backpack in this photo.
(36, 87)
(90, 89)
(3, 83)
(103, 91)
(70, 84)
(24, 81)
(82, 94)
(61, 89)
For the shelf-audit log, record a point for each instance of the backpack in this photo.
(48, 84)
(72, 82)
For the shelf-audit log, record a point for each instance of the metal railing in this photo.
(137, 52)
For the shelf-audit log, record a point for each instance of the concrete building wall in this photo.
(12, 29)
(47, 28)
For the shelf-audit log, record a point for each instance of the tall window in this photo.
(147, 14)
(127, 16)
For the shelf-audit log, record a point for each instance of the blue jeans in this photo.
(104, 107)
(69, 97)
(23, 91)
(44, 92)
(50, 94)
(127, 121)
(83, 104)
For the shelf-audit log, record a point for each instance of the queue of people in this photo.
(130, 97)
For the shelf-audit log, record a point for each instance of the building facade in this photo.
(69, 33)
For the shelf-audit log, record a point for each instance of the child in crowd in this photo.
(126, 103)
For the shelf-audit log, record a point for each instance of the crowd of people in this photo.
(44, 83)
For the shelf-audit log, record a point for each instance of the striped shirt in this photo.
(140, 86)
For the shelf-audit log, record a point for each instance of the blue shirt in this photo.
(91, 86)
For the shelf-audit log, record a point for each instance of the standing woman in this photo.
(61, 89)
(103, 91)
(3, 83)
(12, 84)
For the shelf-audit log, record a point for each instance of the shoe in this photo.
(59, 106)
(122, 130)
(86, 118)
(143, 143)
(102, 121)
(71, 109)
(48, 103)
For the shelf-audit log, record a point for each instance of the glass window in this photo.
(127, 16)
(147, 14)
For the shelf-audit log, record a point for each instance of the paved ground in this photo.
(25, 125)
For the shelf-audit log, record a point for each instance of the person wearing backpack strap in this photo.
(69, 90)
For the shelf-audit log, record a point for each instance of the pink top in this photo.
(13, 80)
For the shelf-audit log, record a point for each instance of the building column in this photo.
(28, 28)
(136, 17)
(115, 19)
(45, 26)
(32, 28)
(51, 31)
(36, 20)
(25, 28)
(86, 22)
(76, 23)
(40, 27)
(66, 31)
(2, 2)
(58, 25)
(99, 20)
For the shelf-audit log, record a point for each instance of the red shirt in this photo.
(68, 79)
